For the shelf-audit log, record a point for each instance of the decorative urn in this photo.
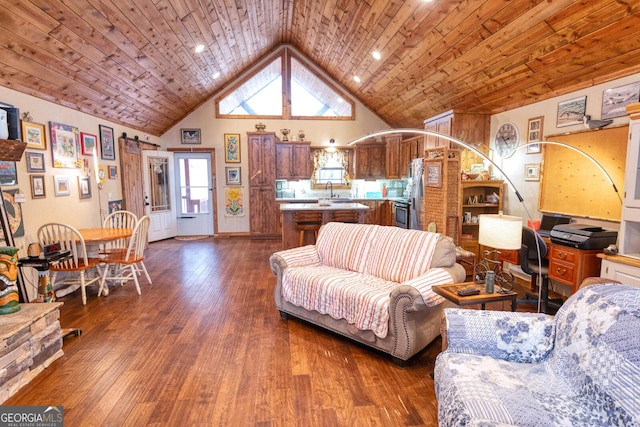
(285, 132)
(260, 127)
(301, 135)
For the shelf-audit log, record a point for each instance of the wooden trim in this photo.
(633, 110)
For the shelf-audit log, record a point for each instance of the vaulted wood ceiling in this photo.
(133, 62)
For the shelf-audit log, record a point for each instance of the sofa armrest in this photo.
(304, 255)
(518, 337)
(424, 282)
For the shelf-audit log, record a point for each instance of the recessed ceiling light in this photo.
(376, 55)
(199, 48)
(357, 79)
(216, 74)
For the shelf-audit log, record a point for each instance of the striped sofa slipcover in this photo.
(369, 283)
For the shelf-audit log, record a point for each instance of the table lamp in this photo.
(500, 231)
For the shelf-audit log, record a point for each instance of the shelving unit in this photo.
(473, 202)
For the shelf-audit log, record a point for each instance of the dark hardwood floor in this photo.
(204, 345)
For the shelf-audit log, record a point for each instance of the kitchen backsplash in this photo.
(360, 189)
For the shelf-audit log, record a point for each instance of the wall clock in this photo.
(507, 139)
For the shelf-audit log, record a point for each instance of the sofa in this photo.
(369, 283)
(579, 368)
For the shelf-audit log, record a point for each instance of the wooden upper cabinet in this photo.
(411, 148)
(393, 168)
(293, 160)
(370, 161)
(262, 170)
(470, 128)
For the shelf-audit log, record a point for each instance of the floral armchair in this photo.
(581, 367)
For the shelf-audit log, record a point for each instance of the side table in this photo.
(450, 292)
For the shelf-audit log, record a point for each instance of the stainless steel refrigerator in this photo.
(416, 193)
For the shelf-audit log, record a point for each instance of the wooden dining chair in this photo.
(126, 263)
(77, 264)
(119, 219)
(307, 221)
(345, 216)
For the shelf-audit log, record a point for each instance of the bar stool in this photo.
(307, 220)
(345, 216)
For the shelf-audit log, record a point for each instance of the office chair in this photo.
(528, 255)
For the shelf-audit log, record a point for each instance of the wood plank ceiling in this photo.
(133, 62)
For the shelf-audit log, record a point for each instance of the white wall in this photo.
(67, 209)
(514, 166)
(212, 130)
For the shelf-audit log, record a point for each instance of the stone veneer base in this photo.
(30, 340)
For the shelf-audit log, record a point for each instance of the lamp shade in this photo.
(500, 231)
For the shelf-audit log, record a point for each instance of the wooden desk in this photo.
(567, 265)
(450, 292)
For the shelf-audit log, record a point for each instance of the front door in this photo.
(194, 193)
(159, 202)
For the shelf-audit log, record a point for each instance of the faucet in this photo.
(330, 185)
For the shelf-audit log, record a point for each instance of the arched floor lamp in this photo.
(496, 218)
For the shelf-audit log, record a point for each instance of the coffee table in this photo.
(450, 292)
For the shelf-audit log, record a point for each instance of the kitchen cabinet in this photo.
(263, 214)
(293, 160)
(470, 128)
(380, 212)
(392, 156)
(370, 161)
(475, 201)
(412, 148)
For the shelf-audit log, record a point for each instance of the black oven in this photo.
(401, 213)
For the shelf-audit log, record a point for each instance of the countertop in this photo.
(342, 206)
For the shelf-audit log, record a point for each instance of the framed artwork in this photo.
(35, 135)
(233, 175)
(190, 136)
(37, 187)
(8, 172)
(84, 186)
(232, 147)
(61, 185)
(14, 213)
(35, 162)
(89, 143)
(615, 101)
(571, 112)
(433, 174)
(112, 172)
(115, 205)
(532, 172)
(534, 134)
(65, 145)
(107, 143)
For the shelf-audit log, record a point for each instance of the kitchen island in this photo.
(290, 232)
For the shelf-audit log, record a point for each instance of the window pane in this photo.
(194, 186)
(312, 97)
(261, 95)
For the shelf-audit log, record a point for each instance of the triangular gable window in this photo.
(261, 93)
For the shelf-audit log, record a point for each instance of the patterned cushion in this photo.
(398, 254)
(590, 377)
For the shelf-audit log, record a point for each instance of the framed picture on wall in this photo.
(532, 172)
(37, 187)
(107, 143)
(571, 112)
(35, 135)
(233, 175)
(190, 136)
(534, 134)
(232, 148)
(615, 100)
(433, 174)
(113, 172)
(84, 187)
(65, 145)
(35, 162)
(88, 143)
(61, 185)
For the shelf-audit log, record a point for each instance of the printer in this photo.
(582, 236)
